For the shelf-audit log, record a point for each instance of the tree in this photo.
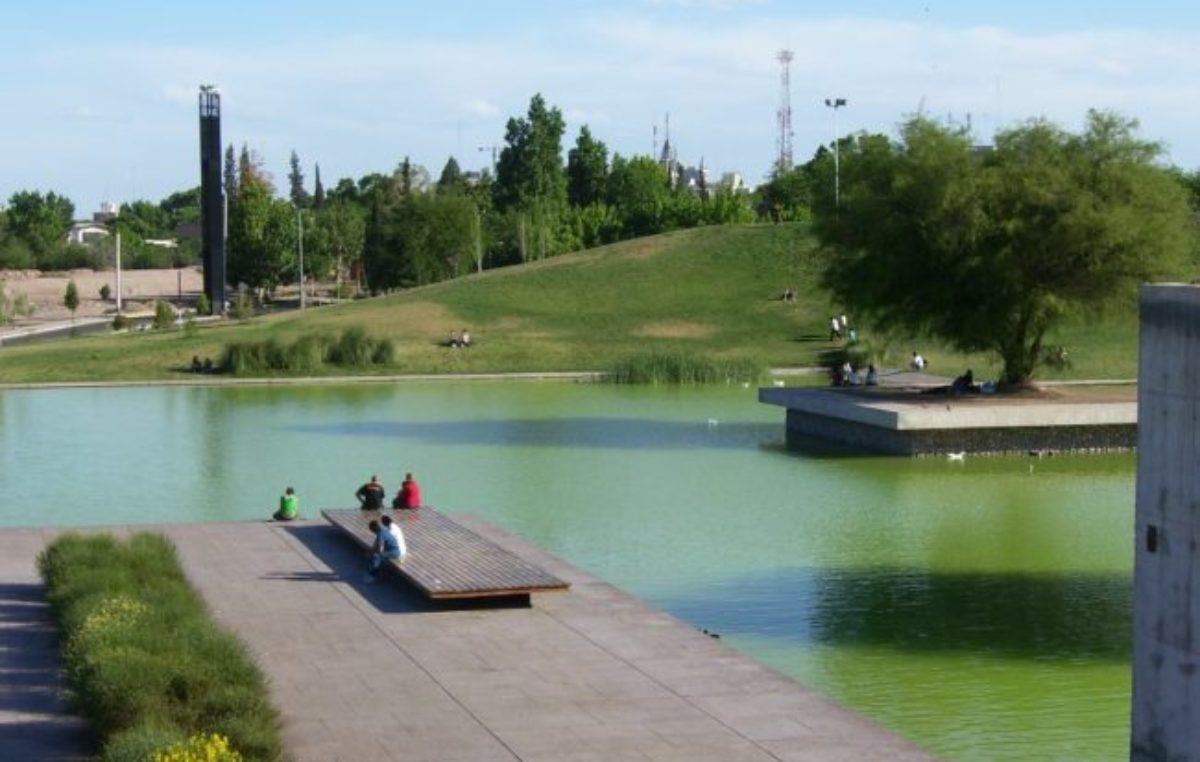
(71, 298)
(587, 170)
(529, 172)
(452, 179)
(262, 236)
(41, 221)
(296, 191)
(230, 175)
(318, 188)
(990, 250)
(637, 187)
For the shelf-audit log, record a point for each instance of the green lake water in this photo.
(981, 608)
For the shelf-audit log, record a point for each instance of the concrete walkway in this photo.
(35, 723)
(375, 672)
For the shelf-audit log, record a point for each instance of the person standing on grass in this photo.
(409, 496)
(385, 547)
(371, 495)
(289, 506)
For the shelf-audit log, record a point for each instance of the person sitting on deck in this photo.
(409, 495)
(289, 506)
(385, 547)
(390, 524)
(872, 375)
(965, 383)
(371, 495)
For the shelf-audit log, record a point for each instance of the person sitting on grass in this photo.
(385, 547)
(371, 495)
(289, 506)
(409, 495)
(464, 338)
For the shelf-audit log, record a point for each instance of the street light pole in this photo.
(835, 104)
(300, 247)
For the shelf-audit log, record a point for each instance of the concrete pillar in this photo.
(1166, 653)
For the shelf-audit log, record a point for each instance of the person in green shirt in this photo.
(289, 506)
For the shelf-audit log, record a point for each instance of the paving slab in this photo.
(35, 720)
(364, 671)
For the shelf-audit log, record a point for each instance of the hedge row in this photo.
(146, 664)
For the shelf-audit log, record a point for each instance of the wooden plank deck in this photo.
(446, 560)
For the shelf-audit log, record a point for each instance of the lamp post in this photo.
(300, 250)
(835, 104)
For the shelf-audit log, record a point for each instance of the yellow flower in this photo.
(199, 748)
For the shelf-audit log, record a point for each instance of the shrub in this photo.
(203, 306)
(164, 316)
(681, 368)
(145, 663)
(120, 322)
(353, 348)
(242, 307)
(307, 354)
(190, 329)
(105, 292)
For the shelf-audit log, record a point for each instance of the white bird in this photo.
(745, 384)
(779, 382)
(957, 455)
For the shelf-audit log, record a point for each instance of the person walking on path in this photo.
(289, 506)
(371, 495)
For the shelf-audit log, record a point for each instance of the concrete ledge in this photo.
(908, 423)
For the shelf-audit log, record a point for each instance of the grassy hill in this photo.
(711, 291)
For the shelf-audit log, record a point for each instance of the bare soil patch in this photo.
(139, 290)
(676, 330)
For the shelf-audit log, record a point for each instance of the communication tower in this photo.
(784, 162)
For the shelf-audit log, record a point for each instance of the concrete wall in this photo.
(804, 428)
(1166, 686)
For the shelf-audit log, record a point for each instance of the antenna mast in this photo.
(784, 162)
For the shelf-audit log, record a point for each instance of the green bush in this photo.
(120, 322)
(353, 348)
(242, 307)
(203, 306)
(164, 316)
(682, 368)
(145, 663)
(308, 354)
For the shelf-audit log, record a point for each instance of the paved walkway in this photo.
(35, 723)
(375, 672)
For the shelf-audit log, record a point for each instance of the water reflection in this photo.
(586, 432)
(1035, 616)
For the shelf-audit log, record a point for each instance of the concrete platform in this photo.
(901, 421)
(377, 672)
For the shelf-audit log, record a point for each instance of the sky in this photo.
(98, 100)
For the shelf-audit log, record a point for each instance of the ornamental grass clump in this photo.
(682, 368)
(144, 661)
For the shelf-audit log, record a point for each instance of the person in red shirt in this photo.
(409, 495)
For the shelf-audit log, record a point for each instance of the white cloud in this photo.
(359, 104)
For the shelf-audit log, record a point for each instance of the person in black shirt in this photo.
(371, 495)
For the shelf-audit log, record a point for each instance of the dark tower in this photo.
(212, 199)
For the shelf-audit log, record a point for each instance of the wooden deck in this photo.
(446, 560)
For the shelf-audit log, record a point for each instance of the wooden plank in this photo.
(446, 559)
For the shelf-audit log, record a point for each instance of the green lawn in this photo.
(709, 291)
